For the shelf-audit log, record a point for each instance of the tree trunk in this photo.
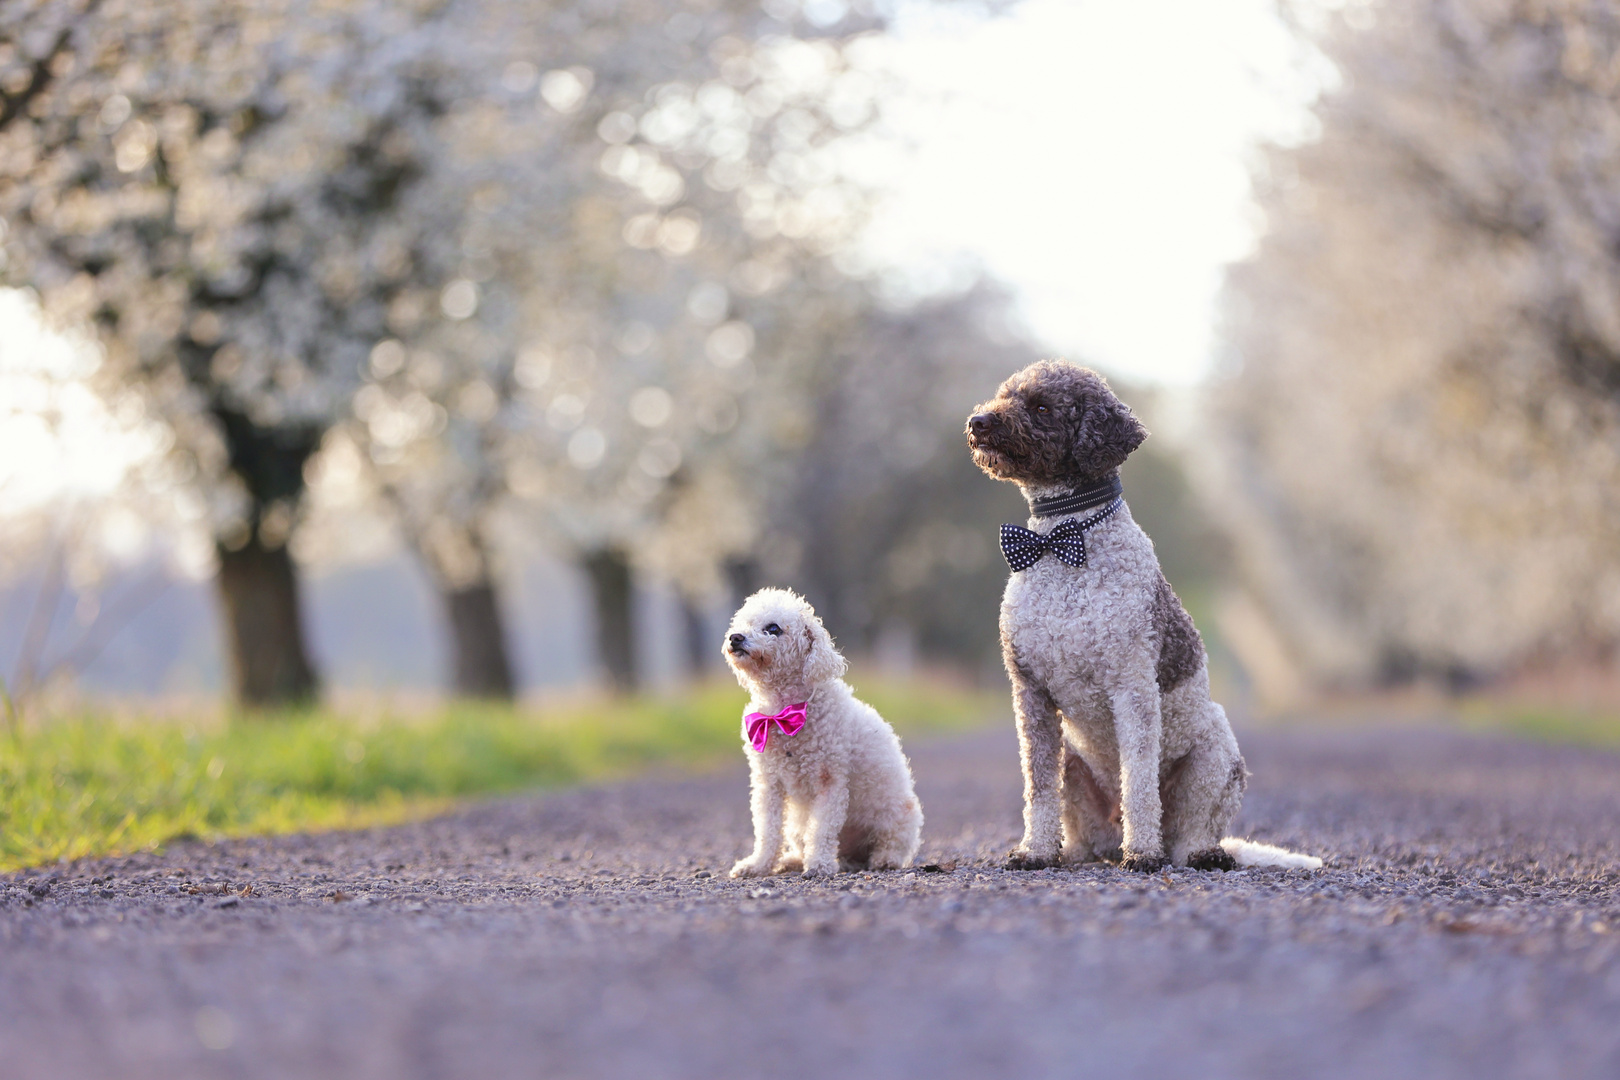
(258, 589)
(478, 642)
(700, 651)
(612, 593)
(742, 574)
(258, 584)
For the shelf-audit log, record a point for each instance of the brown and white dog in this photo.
(1124, 754)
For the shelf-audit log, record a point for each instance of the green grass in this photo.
(92, 785)
(1548, 723)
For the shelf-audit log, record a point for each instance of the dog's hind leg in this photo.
(1200, 802)
(895, 841)
(1091, 819)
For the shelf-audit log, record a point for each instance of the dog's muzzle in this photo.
(738, 645)
(982, 429)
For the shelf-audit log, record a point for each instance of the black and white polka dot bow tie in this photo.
(1023, 548)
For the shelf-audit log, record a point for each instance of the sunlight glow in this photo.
(57, 437)
(1092, 154)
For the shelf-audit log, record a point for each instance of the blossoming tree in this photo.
(1421, 424)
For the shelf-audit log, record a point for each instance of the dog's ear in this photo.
(821, 661)
(1109, 431)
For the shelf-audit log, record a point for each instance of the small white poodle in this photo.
(829, 780)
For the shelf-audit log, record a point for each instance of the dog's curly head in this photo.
(775, 637)
(1053, 424)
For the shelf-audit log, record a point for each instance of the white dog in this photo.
(829, 779)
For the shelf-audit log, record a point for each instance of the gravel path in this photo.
(1467, 926)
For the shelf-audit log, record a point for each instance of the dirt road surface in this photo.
(1467, 925)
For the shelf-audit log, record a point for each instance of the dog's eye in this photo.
(1040, 407)
(773, 630)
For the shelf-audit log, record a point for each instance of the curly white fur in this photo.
(838, 789)
(1254, 853)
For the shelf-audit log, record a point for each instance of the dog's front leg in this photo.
(1040, 749)
(827, 812)
(1138, 727)
(766, 798)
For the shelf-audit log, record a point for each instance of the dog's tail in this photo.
(1253, 853)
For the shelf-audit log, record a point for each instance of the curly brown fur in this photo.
(1143, 864)
(1181, 648)
(1053, 424)
(1214, 858)
(1122, 748)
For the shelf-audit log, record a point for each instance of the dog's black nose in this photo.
(737, 640)
(979, 423)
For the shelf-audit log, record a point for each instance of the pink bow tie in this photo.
(789, 720)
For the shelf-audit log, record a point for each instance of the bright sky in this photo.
(1093, 155)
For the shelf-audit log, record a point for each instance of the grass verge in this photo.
(90, 785)
(1545, 722)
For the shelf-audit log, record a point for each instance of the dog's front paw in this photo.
(1024, 859)
(750, 868)
(820, 869)
(1143, 863)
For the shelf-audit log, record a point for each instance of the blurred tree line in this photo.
(569, 268)
(1419, 423)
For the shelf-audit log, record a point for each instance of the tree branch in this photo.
(14, 105)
